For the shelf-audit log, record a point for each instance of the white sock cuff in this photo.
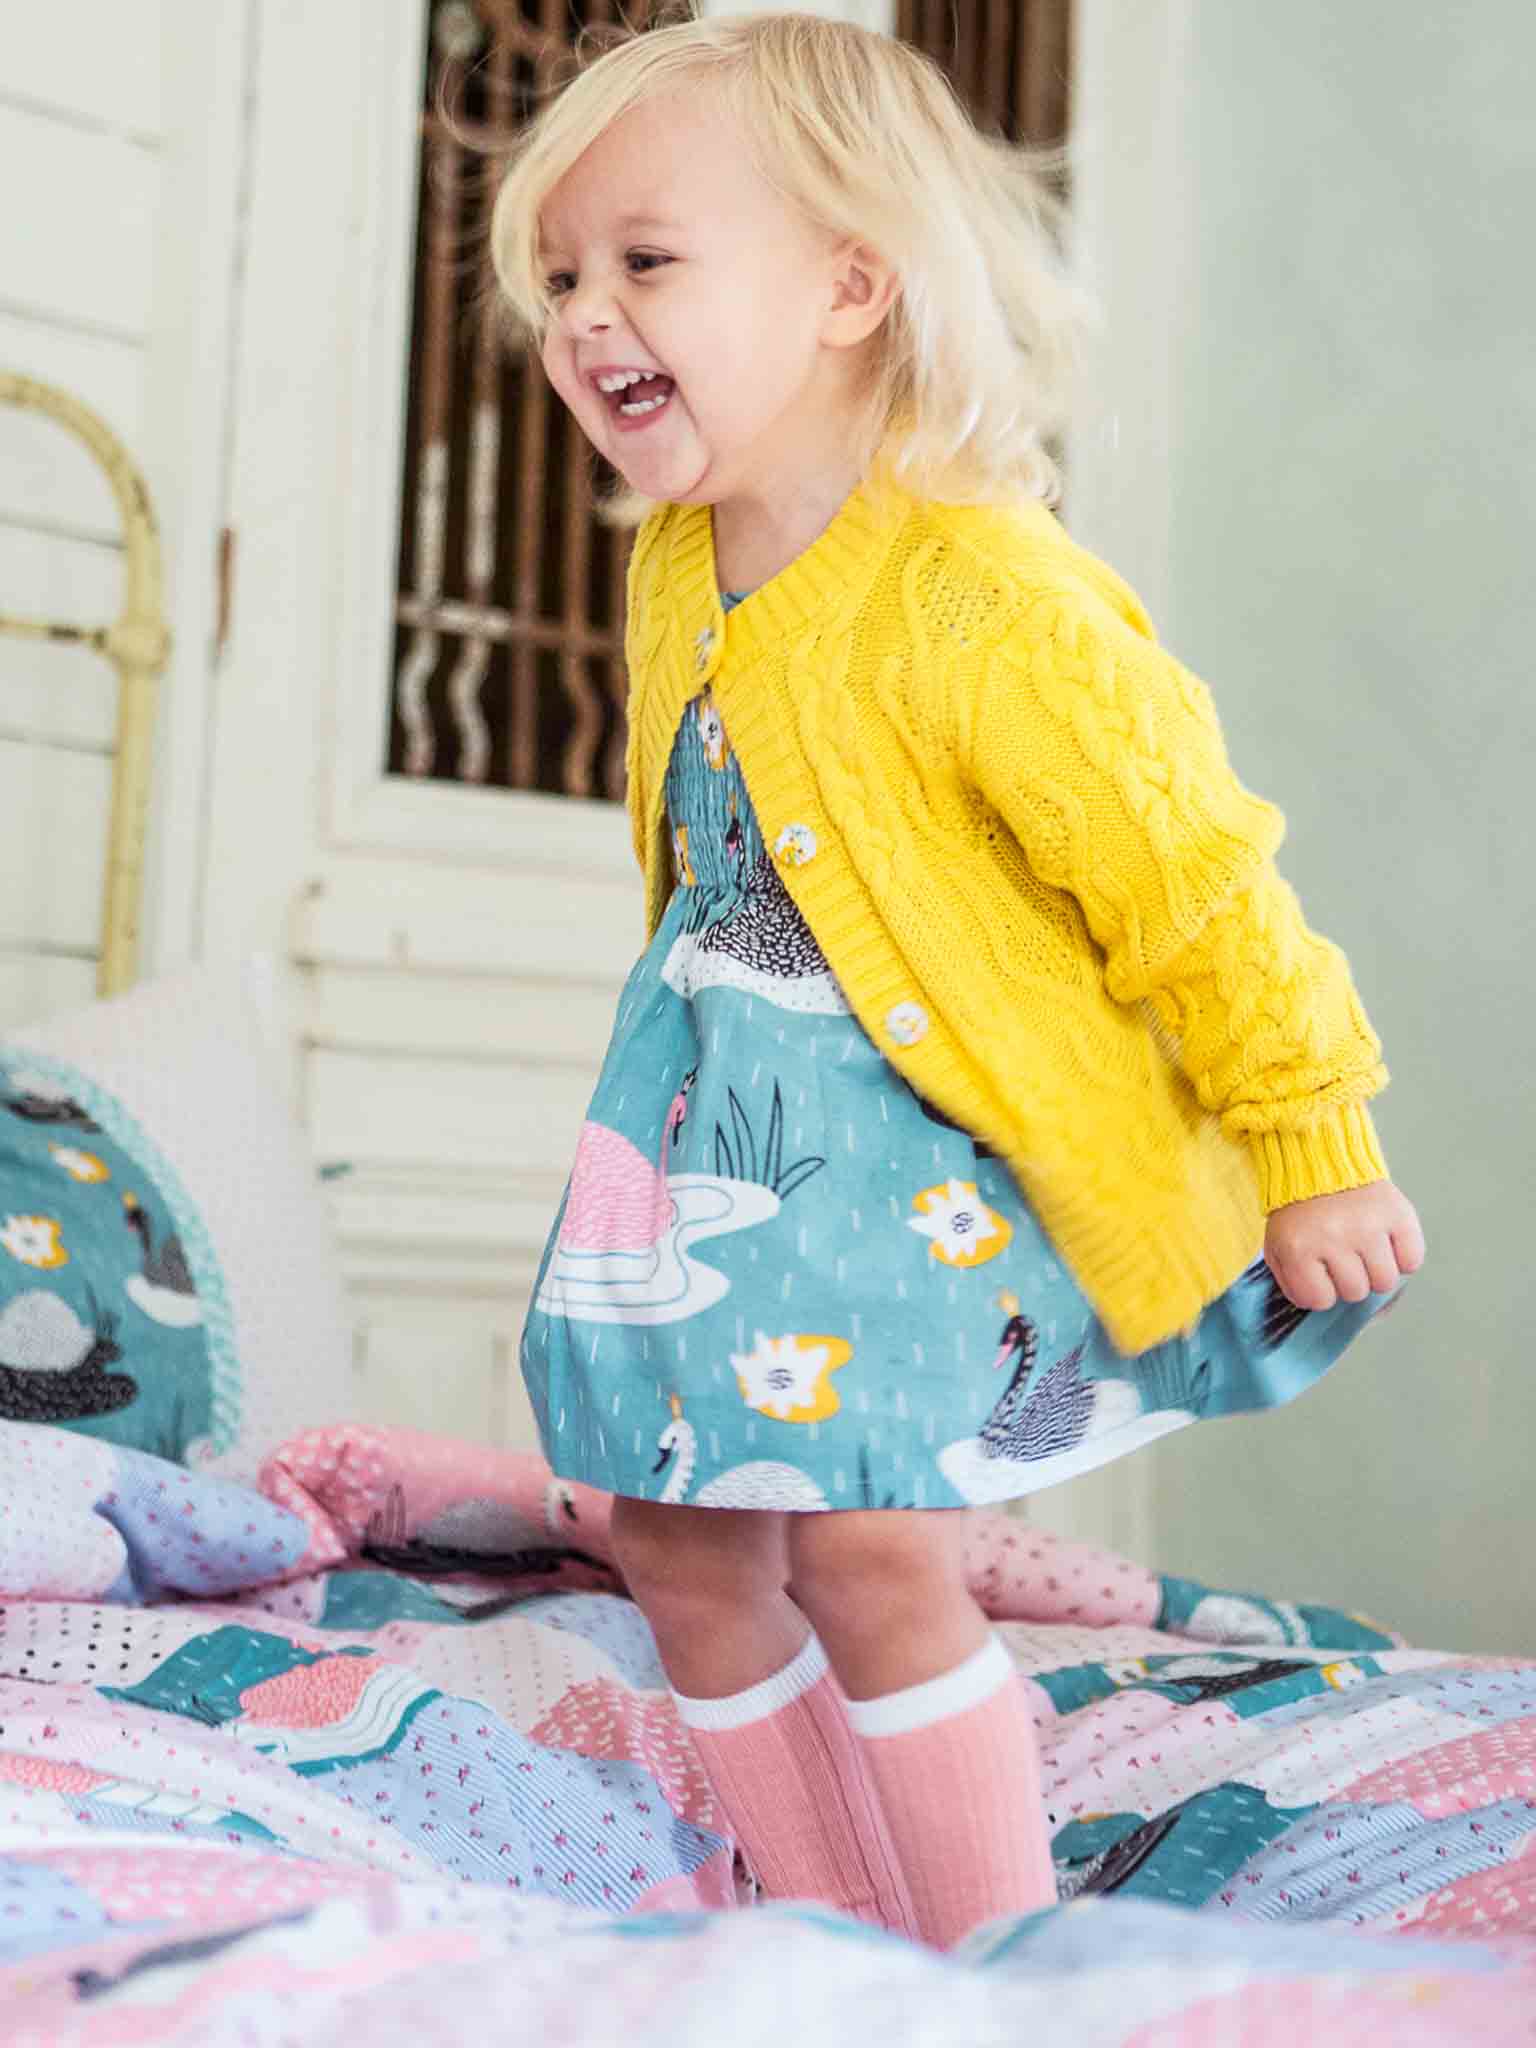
(937, 1699)
(807, 1668)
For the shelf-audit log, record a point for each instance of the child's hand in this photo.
(1343, 1247)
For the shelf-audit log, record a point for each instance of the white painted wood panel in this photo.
(463, 1016)
(97, 62)
(87, 253)
(459, 1226)
(34, 985)
(405, 913)
(429, 1364)
(190, 391)
(46, 476)
(53, 837)
(381, 1111)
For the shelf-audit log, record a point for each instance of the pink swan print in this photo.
(623, 1254)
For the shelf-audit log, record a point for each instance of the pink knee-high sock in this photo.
(787, 1771)
(957, 1771)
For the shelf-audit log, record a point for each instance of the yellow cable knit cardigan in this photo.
(1009, 819)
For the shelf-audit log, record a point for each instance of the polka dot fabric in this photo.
(52, 1543)
(80, 1519)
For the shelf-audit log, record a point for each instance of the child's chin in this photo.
(672, 481)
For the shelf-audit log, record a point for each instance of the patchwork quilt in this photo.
(384, 1745)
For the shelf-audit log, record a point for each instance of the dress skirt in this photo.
(779, 1279)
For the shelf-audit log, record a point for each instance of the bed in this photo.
(381, 1743)
(310, 1729)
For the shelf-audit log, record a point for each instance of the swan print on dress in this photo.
(754, 940)
(760, 1483)
(1048, 1419)
(623, 1254)
(843, 1296)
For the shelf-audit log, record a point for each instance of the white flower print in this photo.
(712, 732)
(788, 1377)
(681, 861)
(961, 1229)
(34, 1240)
(81, 1166)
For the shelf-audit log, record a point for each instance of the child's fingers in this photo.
(1349, 1275)
(1408, 1244)
(1305, 1283)
(1381, 1264)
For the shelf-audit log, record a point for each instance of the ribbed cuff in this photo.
(938, 1699)
(1341, 1152)
(807, 1668)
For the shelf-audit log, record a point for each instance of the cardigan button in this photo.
(704, 647)
(907, 1023)
(795, 846)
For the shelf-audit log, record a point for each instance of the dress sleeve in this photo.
(1105, 759)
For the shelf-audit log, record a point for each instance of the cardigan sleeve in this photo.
(1105, 759)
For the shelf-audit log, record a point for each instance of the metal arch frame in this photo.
(138, 645)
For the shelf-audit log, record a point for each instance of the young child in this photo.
(981, 1106)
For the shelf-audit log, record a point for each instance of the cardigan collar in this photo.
(841, 558)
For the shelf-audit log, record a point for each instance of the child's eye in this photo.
(558, 283)
(641, 260)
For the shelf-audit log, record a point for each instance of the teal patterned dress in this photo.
(781, 1280)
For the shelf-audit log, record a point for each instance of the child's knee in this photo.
(877, 1564)
(694, 1561)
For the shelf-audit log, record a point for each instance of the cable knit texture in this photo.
(1045, 893)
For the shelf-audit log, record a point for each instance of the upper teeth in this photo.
(618, 380)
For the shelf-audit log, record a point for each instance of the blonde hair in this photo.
(974, 363)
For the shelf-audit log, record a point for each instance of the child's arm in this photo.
(1105, 758)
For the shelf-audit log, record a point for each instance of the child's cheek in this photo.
(555, 355)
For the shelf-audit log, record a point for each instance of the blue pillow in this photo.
(168, 1272)
(113, 1315)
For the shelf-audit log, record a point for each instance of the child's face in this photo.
(667, 254)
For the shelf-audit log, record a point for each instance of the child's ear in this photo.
(864, 288)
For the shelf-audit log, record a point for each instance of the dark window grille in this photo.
(508, 655)
(1010, 60)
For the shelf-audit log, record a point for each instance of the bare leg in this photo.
(886, 1592)
(711, 1582)
(751, 1684)
(941, 1717)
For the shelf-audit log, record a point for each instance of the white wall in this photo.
(82, 135)
(1337, 532)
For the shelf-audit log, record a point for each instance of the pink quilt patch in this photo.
(602, 1719)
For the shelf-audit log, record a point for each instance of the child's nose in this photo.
(589, 309)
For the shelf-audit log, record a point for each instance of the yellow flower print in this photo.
(790, 1378)
(712, 732)
(81, 1166)
(961, 1229)
(685, 872)
(34, 1240)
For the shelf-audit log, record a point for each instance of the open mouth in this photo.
(633, 395)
